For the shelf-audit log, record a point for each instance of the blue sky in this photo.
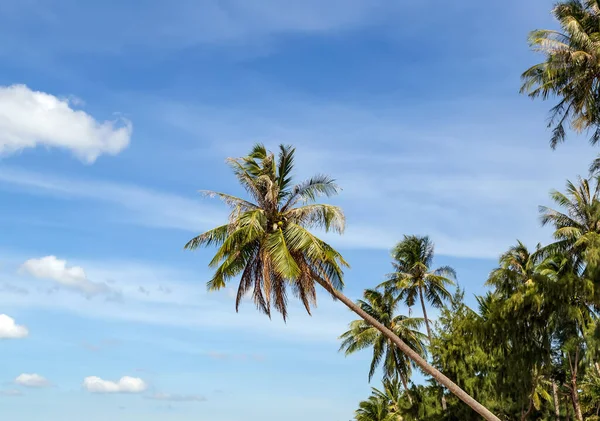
(112, 116)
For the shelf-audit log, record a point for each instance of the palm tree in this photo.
(376, 408)
(570, 70)
(577, 228)
(413, 277)
(362, 335)
(517, 268)
(267, 243)
(392, 394)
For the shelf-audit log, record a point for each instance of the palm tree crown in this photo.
(517, 268)
(376, 408)
(571, 68)
(267, 239)
(577, 227)
(413, 277)
(362, 335)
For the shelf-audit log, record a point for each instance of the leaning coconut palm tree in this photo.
(571, 69)
(413, 277)
(267, 243)
(362, 335)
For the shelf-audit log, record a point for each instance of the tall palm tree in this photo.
(268, 244)
(413, 278)
(570, 70)
(362, 335)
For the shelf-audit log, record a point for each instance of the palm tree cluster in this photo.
(530, 350)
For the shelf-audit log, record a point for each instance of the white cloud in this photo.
(31, 118)
(125, 385)
(72, 277)
(10, 330)
(32, 380)
(176, 398)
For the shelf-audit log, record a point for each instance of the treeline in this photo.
(530, 350)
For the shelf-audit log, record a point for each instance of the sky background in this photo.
(113, 114)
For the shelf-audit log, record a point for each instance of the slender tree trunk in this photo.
(444, 406)
(597, 367)
(574, 392)
(556, 401)
(524, 414)
(409, 352)
(575, 399)
(425, 314)
(403, 380)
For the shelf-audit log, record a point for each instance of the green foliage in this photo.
(362, 335)
(413, 277)
(532, 348)
(570, 69)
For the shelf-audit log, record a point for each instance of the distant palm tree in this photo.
(571, 69)
(362, 335)
(577, 226)
(413, 278)
(392, 394)
(268, 245)
(374, 409)
(518, 266)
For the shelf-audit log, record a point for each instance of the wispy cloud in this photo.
(184, 23)
(167, 397)
(140, 205)
(473, 186)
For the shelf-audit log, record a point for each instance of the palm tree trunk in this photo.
(575, 399)
(444, 407)
(556, 401)
(573, 365)
(425, 314)
(420, 361)
(403, 380)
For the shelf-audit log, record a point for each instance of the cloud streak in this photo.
(144, 206)
(166, 397)
(471, 185)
